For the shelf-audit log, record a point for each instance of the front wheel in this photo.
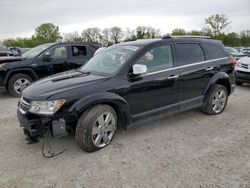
(216, 100)
(17, 83)
(96, 128)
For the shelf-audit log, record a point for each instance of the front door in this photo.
(158, 91)
(53, 61)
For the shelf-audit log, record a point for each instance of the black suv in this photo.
(127, 83)
(41, 61)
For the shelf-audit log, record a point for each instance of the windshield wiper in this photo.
(83, 72)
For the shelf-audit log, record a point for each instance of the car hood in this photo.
(49, 86)
(10, 59)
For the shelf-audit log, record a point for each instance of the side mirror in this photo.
(47, 57)
(139, 69)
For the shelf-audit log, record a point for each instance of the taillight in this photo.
(234, 62)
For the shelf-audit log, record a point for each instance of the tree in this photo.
(112, 35)
(216, 24)
(142, 32)
(92, 35)
(72, 37)
(47, 32)
(116, 34)
(178, 31)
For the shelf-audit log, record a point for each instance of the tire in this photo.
(92, 133)
(238, 83)
(217, 96)
(22, 79)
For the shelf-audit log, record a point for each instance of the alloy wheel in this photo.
(103, 130)
(219, 101)
(20, 84)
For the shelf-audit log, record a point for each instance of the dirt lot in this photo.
(188, 150)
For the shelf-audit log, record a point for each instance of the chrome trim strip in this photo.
(21, 110)
(183, 66)
(24, 102)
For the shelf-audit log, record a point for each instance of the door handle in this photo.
(173, 77)
(209, 68)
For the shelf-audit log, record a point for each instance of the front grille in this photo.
(24, 106)
(245, 66)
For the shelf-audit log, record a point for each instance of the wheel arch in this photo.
(220, 78)
(115, 101)
(28, 71)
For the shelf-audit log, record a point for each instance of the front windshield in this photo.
(109, 60)
(35, 51)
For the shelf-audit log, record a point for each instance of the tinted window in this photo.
(79, 50)
(158, 58)
(214, 51)
(189, 53)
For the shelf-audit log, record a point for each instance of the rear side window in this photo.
(214, 51)
(79, 51)
(188, 53)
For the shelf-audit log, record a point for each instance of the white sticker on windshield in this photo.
(134, 48)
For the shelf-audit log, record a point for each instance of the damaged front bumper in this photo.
(36, 126)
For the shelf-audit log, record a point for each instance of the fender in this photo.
(30, 70)
(105, 97)
(220, 76)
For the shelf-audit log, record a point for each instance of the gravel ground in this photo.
(188, 150)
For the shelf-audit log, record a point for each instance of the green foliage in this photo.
(47, 33)
(44, 33)
(178, 31)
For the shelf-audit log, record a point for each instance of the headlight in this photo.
(46, 107)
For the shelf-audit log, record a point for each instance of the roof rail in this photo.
(191, 36)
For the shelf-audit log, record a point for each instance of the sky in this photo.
(19, 18)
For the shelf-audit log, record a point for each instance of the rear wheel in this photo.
(17, 83)
(96, 128)
(216, 100)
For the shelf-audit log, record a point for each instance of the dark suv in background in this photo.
(16, 73)
(127, 83)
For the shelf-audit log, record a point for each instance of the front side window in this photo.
(188, 53)
(58, 52)
(158, 58)
(110, 60)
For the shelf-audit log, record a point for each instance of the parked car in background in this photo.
(4, 51)
(235, 53)
(246, 51)
(127, 83)
(15, 51)
(42, 61)
(23, 50)
(242, 71)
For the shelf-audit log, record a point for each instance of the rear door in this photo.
(195, 73)
(79, 55)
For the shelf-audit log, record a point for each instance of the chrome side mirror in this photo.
(139, 69)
